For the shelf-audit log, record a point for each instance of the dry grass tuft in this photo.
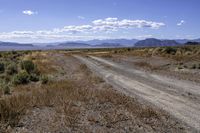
(146, 65)
(12, 107)
(44, 60)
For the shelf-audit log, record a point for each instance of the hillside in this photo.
(13, 44)
(152, 42)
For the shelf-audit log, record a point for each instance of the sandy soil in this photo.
(180, 98)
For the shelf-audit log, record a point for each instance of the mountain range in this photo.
(108, 43)
(13, 44)
(125, 42)
(152, 42)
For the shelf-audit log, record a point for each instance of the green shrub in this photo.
(2, 67)
(44, 79)
(34, 77)
(4, 88)
(21, 78)
(11, 69)
(28, 65)
(170, 50)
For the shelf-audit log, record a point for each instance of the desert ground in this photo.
(101, 90)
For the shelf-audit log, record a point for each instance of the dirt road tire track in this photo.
(181, 108)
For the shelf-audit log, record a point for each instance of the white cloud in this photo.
(143, 36)
(125, 23)
(81, 17)
(29, 12)
(97, 27)
(181, 23)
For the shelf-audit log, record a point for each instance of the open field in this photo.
(101, 90)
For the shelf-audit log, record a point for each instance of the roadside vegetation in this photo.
(15, 70)
(74, 101)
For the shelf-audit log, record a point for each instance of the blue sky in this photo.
(68, 20)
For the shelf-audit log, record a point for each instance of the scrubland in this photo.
(52, 91)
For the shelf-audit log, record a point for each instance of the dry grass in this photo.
(76, 101)
(54, 94)
(108, 55)
(1, 92)
(68, 98)
(176, 53)
(44, 60)
(146, 65)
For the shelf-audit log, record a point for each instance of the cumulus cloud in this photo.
(107, 25)
(29, 12)
(125, 23)
(181, 23)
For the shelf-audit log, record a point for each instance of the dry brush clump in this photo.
(80, 105)
(53, 94)
(18, 69)
(45, 62)
(146, 65)
(72, 100)
(177, 53)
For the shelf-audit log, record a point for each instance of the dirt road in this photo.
(177, 97)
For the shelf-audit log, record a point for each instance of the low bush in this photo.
(11, 69)
(34, 77)
(170, 50)
(2, 67)
(21, 78)
(6, 90)
(28, 65)
(194, 66)
(44, 79)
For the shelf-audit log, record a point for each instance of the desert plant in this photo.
(2, 67)
(11, 69)
(28, 65)
(83, 67)
(21, 78)
(194, 66)
(170, 50)
(34, 77)
(6, 90)
(44, 79)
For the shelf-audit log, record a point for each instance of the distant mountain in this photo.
(74, 45)
(125, 42)
(183, 41)
(196, 40)
(84, 45)
(192, 43)
(152, 42)
(12, 44)
(108, 45)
